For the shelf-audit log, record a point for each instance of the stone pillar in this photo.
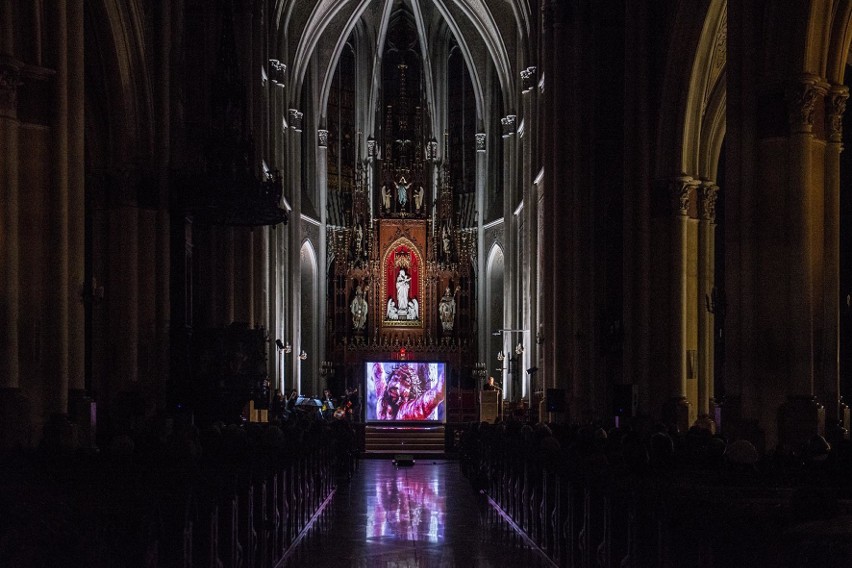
(513, 384)
(322, 246)
(546, 155)
(123, 290)
(681, 192)
(482, 282)
(294, 275)
(163, 221)
(59, 291)
(707, 296)
(14, 413)
(76, 201)
(10, 79)
(829, 390)
(529, 261)
(801, 416)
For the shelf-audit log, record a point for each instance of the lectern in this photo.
(489, 406)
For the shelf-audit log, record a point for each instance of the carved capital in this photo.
(509, 123)
(432, 150)
(709, 193)
(295, 119)
(480, 141)
(10, 80)
(277, 72)
(322, 138)
(802, 97)
(528, 79)
(835, 106)
(680, 191)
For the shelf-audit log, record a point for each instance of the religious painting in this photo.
(402, 285)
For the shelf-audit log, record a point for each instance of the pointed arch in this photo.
(494, 302)
(310, 336)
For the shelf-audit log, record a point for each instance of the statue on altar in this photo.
(386, 197)
(447, 309)
(418, 198)
(359, 309)
(402, 192)
(403, 308)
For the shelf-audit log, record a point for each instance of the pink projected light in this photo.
(405, 391)
(407, 510)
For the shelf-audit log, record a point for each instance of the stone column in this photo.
(76, 201)
(322, 246)
(294, 275)
(513, 385)
(14, 415)
(801, 416)
(546, 155)
(681, 192)
(829, 390)
(707, 295)
(482, 282)
(529, 268)
(59, 290)
(10, 79)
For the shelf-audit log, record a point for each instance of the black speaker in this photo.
(624, 399)
(555, 400)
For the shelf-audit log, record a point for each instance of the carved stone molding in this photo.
(480, 141)
(835, 106)
(528, 79)
(509, 123)
(432, 150)
(802, 97)
(680, 191)
(10, 80)
(322, 138)
(371, 147)
(296, 119)
(709, 193)
(277, 72)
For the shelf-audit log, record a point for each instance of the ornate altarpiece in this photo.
(403, 251)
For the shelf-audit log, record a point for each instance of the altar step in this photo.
(404, 439)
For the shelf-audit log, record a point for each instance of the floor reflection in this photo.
(407, 507)
(423, 516)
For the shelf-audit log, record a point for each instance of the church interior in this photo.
(208, 205)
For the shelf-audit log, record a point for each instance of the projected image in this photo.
(406, 509)
(405, 391)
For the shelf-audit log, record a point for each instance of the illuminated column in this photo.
(801, 416)
(322, 247)
(294, 273)
(829, 390)
(681, 192)
(707, 296)
(529, 268)
(482, 282)
(513, 386)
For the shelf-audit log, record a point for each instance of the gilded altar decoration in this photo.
(402, 285)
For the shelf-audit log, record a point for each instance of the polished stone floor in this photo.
(423, 516)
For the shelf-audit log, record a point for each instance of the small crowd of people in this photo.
(328, 407)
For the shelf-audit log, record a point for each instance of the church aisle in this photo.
(423, 516)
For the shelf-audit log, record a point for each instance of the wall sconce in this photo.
(303, 355)
(519, 349)
(500, 355)
(282, 347)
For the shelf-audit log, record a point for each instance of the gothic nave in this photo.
(204, 203)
